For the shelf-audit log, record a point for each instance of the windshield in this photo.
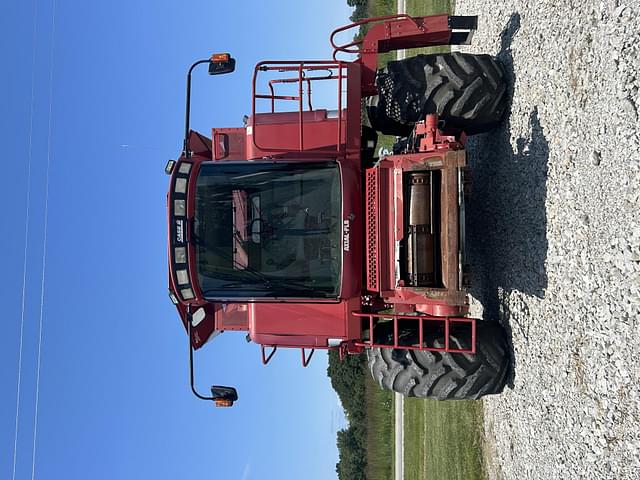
(268, 230)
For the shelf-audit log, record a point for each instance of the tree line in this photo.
(360, 9)
(347, 379)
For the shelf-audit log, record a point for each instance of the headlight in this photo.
(198, 316)
(180, 255)
(185, 167)
(181, 185)
(183, 277)
(173, 298)
(184, 290)
(187, 293)
(179, 208)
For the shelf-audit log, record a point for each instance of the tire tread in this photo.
(445, 376)
(467, 91)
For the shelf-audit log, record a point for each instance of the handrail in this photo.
(266, 359)
(447, 321)
(301, 109)
(274, 97)
(300, 67)
(346, 48)
(307, 359)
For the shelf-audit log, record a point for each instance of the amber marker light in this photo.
(220, 57)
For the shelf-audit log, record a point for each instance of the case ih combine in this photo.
(289, 228)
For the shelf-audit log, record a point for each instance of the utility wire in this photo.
(26, 238)
(44, 242)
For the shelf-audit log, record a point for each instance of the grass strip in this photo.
(380, 431)
(421, 8)
(443, 439)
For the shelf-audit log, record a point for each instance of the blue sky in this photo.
(102, 100)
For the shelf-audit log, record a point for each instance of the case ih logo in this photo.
(179, 231)
(346, 227)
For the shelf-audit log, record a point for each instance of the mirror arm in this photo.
(222, 396)
(185, 146)
(191, 374)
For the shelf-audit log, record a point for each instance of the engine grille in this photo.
(372, 229)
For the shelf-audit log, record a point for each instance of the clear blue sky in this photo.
(114, 398)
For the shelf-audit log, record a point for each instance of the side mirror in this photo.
(221, 63)
(224, 396)
(221, 396)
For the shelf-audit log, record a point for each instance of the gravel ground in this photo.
(554, 236)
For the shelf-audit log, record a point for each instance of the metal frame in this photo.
(440, 307)
(447, 321)
(306, 359)
(401, 31)
(300, 67)
(385, 223)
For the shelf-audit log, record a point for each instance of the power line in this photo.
(26, 237)
(44, 242)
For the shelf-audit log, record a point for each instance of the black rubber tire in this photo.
(467, 91)
(446, 376)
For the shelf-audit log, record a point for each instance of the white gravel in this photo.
(555, 236)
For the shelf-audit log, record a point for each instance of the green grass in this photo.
(442, 440)
(380, 433)
(381, 8)
(420, 8)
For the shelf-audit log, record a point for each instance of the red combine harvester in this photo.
(291, 229)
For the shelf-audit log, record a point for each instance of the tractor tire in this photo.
(468, 92)
(446, 376)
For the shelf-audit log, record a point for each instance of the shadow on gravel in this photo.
(506, 216)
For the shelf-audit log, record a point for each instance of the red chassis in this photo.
(402, 217)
